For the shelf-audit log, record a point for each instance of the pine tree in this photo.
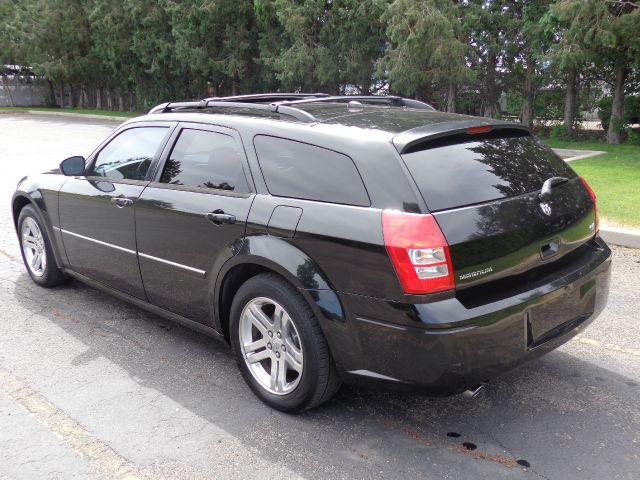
(424, 48)
(608, 30)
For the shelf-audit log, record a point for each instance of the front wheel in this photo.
(37, 251)
(279, 346)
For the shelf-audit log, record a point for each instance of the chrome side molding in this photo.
(99, 242)
(197, 271)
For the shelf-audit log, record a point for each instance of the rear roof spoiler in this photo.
(411, 138)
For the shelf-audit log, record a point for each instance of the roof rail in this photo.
(285, 103)
(375, 99)
(268, 97)
(229, 102)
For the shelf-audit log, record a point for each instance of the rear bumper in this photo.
(446, 347)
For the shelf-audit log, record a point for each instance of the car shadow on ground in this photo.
(558, 416)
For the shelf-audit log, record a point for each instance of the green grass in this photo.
(615, 177)
(73, 110)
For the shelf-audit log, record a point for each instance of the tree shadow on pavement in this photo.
(559, 416)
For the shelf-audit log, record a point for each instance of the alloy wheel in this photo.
(33, 247)
(271, 346)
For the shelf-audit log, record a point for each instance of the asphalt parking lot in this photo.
(91, 387)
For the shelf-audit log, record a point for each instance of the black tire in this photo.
(52, 275)
(319, 380)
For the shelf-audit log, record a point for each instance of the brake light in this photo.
(419, 252)
(481, 129)
(592, 194)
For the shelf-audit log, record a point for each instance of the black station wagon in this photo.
(371, 240)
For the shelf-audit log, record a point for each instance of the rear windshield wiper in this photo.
(548, 184)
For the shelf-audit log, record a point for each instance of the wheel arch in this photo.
(34, 199)
(18, 202)
(268, 254)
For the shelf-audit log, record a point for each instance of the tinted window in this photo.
(205, 159)
(298, 170)
(479, 171)
(129, 155)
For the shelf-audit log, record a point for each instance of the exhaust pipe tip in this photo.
(474, 391)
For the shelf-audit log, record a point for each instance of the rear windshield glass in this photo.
(454, 175)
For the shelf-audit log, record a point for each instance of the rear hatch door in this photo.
(483, 189)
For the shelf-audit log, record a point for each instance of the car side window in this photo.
(299, 170)
(201, 158)
(129, 155)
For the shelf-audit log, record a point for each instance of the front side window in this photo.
(205, 159)
(129, 155)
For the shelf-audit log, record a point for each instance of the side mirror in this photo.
(73, 166)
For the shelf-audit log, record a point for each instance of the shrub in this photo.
(594, 137)
(633, 136)
(630, 111)
(557, 131)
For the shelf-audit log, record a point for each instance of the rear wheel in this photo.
(36, 249)
(279, 345)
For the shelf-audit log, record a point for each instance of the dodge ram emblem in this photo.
(546, 208)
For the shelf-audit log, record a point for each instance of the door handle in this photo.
(218, 217)
(121, 202)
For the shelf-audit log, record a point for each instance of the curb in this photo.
(569, 155)
(114, 118)
(622, 237)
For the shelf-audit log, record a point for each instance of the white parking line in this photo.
(609, 346)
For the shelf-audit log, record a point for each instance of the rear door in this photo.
(192, 217)
(97, 211)
(484, 191)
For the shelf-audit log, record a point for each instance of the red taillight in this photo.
(419, 252)
(592, 194)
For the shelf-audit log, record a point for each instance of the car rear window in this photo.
(451, 175)
(299, 170)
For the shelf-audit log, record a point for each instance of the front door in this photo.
(191, 216)
(97, 211)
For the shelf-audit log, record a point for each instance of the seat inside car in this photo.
(225, 168)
